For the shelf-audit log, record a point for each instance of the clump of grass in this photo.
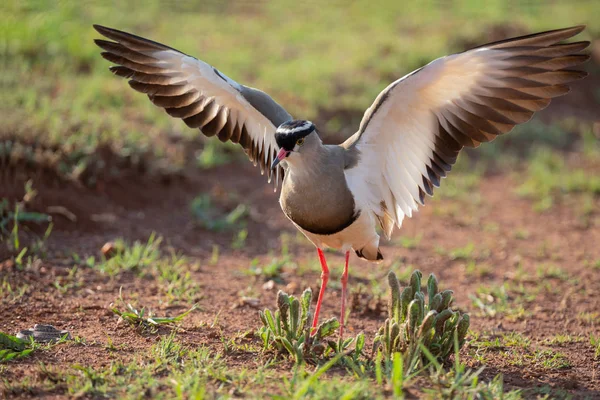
(145, 320)
(507, 301)
(215, 153)
(413, 324)
(11, 293)
(548, 176)
(211, 218)
(289, 330)
(271, 270)
(13, 220)
(461, 382)
(595, 342)
(172, 271)
(135, 257)
(409, 242)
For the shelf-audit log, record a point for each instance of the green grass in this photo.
(504, 301)
(13, 348)
(137, 257)
(144, 319)
(11, 293)
(562, 339)
(214, 218)
(548, 177)
(519, 350)
(595, 343)
(149, 259)
(409, 242)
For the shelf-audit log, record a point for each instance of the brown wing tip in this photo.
(103, 30)
(569, 32)
(576, 29)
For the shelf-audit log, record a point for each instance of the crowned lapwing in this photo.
(407, 141)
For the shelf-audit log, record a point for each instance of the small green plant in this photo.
(146, 320)
(213, 219)
(12, 348)
(412, 322)
(12, 218)
(137, 257)
(463, 253)
(272, 270)
(409, 242)
(595, 342)
(289, 329)
(12, 293)
(461, 382)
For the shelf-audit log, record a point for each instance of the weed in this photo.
(214, 154)
(214, 219)
(502, 342)
(595, 342)
(174, 275)
(552, 271)
(503, 301)
(590, 318)
(214, 256)
(561, 339)
(136, 258)
(239, 239)
(522, 234)
(269, 271)
(13, 348)
(289, 329)
(10, 293)
(64, 284)
(173, 272)
(463, 253)
(548, 176)
(17, 217)
(409, 242)
(478, 270)
(412, 323)
(146, 320)
(110, 346)
(549, 359)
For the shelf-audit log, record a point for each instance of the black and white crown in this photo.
(289, 132)
(296, 127)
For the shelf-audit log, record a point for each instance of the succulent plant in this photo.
(289, 329)
(413, 322)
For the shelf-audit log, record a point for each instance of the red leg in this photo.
(324, 279)
(344, 294)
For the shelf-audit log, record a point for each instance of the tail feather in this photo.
(370, 253)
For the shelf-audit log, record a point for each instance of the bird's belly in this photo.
(317, 212)
(356, 235)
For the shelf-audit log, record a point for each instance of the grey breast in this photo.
(320, 202)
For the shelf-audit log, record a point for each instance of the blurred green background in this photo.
(324, 61)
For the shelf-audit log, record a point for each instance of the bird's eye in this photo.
(300, 142)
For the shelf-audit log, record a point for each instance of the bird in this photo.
(339, 195)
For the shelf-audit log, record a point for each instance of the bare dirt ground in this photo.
(133, 209)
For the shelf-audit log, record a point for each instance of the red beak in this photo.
(283, 153)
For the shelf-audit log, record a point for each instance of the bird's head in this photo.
(294, 138)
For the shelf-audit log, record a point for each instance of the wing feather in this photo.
(197, 93)
(412, 134)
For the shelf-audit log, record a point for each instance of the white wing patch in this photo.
(410, 137)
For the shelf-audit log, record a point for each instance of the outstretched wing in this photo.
(198, 93)
(411, 136)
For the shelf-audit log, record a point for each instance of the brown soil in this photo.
(134, 209)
